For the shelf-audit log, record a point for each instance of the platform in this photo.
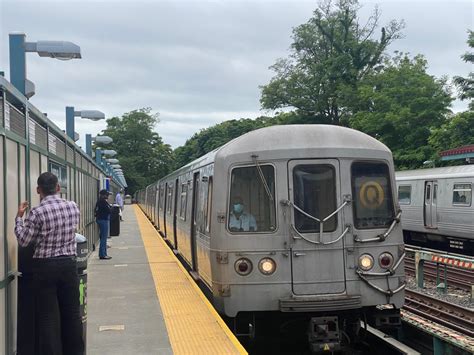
(142, 301)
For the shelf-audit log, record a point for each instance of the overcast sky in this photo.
(195, 62)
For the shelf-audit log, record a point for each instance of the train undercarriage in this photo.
(439, 242)
(309, 332)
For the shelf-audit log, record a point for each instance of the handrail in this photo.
(382, 237)
(347, 200)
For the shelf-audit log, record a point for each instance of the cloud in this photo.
(197, 63)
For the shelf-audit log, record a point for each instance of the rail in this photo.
(440, 259)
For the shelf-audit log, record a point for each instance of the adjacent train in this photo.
(437, 207)
(31, 144)
(298, 224)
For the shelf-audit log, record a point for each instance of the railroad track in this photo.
(459, 278)
(452, 316)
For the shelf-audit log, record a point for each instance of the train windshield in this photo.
(315, 193)
(372, 195)
(252, 207)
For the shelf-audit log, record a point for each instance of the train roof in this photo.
(434, 173)
(293, 137)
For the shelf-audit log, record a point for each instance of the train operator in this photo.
(240, 220)
(51, 228)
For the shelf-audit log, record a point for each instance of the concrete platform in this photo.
(124, 313)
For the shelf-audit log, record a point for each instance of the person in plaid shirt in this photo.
(51, 228)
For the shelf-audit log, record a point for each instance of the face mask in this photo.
(238, 208)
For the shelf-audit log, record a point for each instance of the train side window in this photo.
(314, 189)
(404, 195)
(169, 199)
(252, 200)
(207, 209)
(183, 201)
(372, 195)
(462, 194)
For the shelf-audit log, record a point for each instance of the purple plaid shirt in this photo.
(51, 226)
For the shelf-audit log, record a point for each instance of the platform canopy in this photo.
(465, 152)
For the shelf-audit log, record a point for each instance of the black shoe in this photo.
(105, 257)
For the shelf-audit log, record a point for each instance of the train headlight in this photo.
(267, 266)
(366, 262)
(385, 260)
(243, 266)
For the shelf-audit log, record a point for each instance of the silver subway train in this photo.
(437, 207)
(297, 222)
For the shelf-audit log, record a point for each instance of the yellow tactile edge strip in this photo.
(194, 326)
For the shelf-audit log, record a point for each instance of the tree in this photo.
(143, 155)
(331, 54)
(456, 132)
(466, 85)
(213, 137)
(400, 106)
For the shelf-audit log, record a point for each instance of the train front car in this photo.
(306, 232)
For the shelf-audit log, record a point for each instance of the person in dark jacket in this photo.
(102, 215)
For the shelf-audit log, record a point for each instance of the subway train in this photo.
(31, 144)
(437, 207)
(296, 224)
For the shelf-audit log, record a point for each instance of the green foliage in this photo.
(466, 85)
(400, 106)
(143, 155)
(456, 132)
(331, 54)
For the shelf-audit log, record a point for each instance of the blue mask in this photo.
(238, 208)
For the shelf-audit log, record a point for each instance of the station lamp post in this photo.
(98, 139)
(93, 115)
(52, 49)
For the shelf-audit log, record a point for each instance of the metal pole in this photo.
(18, 61)
(89, 145)
(70, 122)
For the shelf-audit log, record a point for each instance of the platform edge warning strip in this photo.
(193, 325)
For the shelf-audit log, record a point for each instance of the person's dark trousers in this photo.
(103, 234)
(58, 322)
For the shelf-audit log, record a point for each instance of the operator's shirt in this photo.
(243, 223)
(51, 227)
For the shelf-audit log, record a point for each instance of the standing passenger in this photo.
(119, 201)
(102, 215)
(50, 228)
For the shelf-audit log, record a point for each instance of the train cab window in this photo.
(372, 195)
(183, 201)
(314, 189)
(208, 205)
(404, 195)
(462, 194)
(252, 200)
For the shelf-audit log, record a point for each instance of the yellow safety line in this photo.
(194, 326)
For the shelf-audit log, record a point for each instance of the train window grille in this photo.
(314, 191)
(259, 210)
(183, 201)
(462, 194)
(404, 194)
(371, 190)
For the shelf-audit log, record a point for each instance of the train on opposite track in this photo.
(437, 208)
(295, 227)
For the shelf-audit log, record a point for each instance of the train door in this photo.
(430, 204)
(165, 196)
(175, 210)
(194, 220)
(314, 192)
(156, 207)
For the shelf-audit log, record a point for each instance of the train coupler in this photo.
(323, 334)
(386, 318)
